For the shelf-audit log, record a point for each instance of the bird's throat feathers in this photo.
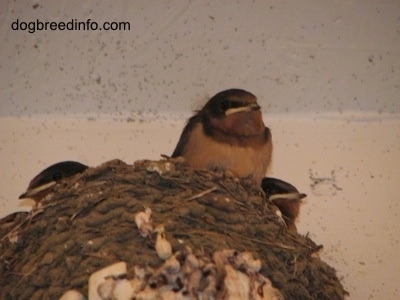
(240, 129)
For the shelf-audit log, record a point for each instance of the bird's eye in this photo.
(225, 105)
(267, 191)
(57, 176)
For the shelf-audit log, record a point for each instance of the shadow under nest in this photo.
(88, 222)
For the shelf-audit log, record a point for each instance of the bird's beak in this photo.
(234, 110)
(288, 196)
(37, 190)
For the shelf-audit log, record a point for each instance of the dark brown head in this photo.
(285, 196)
(233, 112)
(43, 183)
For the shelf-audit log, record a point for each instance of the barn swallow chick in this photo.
(42, 184)
(286, 197)
(228, 133)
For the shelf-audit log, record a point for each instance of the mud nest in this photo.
(88, 222)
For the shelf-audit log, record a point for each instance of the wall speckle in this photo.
(323, 186)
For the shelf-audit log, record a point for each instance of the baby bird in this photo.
(42, 184)
(286, 197)
(228, 133)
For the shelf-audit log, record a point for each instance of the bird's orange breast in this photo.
(204, 152)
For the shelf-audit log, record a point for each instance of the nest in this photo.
(88, 223)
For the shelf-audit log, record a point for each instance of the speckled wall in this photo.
(327, 75)
(301, 56)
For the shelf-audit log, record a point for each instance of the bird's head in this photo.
(275, 188)
(42, 183)
(233, 112)
(284, 195)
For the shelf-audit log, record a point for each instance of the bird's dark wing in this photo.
(183, 140)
